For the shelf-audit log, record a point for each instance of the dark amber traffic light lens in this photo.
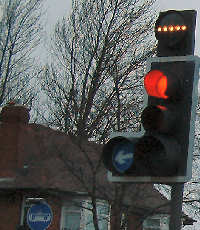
(155, 83)
(152, 118)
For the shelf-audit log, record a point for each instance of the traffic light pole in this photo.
(176, 206)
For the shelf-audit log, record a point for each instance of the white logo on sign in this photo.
(39, 217)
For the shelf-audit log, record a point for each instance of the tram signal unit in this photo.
(162, 151)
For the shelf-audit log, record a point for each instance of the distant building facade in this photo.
(38, 164)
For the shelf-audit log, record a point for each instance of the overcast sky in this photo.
(59, 8)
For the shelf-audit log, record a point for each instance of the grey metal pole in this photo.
(176, 206)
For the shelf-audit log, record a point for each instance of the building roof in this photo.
(37, 157)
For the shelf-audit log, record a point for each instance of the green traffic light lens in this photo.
(158, 155)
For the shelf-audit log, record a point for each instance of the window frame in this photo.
(163, 219)
(66, 209)
(84, 212)
(88, 213)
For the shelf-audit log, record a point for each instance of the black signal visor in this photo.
(171, 28)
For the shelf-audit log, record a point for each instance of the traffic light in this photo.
(169, 118)
(162, 152)
(175, 32)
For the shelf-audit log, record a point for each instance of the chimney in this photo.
(13, 117)
(14, 113)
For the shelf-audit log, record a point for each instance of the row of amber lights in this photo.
(172, 28)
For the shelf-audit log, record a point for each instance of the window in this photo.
(157, 222)
(77, 215)
(71, 216)
(102, 213)
(151, 224)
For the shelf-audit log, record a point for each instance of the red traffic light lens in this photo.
(155, 83)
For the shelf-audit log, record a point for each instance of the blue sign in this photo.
(39, 216)
(123, 157)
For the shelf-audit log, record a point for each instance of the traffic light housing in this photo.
(162, 152)
(171, 111)
(175, 32)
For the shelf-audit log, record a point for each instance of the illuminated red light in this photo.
(155, 83)
(163, 108)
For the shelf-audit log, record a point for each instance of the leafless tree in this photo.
(94, 83)
(20, 34)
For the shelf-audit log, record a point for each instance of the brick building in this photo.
(38, 164)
